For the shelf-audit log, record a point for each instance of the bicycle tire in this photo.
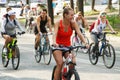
(108, 54)
(4, 56)
(16, 58)
(87, 40)
(93, 58)
(54, 72)
(38, 55)
(73, 75)
(47, 54)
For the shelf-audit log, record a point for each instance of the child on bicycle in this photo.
(100, 25)
(62, 32)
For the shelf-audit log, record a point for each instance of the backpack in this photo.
(6, 16)
(93, 24)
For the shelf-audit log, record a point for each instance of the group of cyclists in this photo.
(63, 30)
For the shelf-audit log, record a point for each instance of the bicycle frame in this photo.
(103, 43)
(106, 51)
(67, 70)
(11, 46)
(43, 42)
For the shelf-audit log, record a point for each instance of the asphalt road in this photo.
(30, 70)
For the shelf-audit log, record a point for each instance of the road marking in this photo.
(8, 74)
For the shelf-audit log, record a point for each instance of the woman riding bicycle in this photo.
(62, 33)
(8, 27)
(81, 21)
(100, 25)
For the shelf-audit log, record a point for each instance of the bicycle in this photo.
(67, 73)
(6, 56)
(31, 25)
(44, 49)
(105, 49)
(77, 41)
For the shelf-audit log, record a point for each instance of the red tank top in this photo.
(63, 38)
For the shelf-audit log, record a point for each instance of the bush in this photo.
(114, 20)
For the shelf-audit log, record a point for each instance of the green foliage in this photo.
(88, 13)
(114, 20)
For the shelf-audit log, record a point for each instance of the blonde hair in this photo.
(101, 13)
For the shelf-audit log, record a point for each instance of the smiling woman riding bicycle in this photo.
(62, 33)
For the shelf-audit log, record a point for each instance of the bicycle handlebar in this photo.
(20, 33)
(66, 49)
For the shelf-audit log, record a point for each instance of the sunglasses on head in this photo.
(103, 14)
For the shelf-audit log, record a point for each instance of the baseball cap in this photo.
(11, 12)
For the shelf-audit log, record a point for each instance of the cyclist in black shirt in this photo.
(43, 20)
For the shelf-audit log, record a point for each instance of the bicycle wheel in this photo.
(5, 59)
(73, 75)
(47, 54)
(92, 55)
(54, 72)
(16, 58)
(75, 42)
(38, 55)
(109, 56)
(87, 40)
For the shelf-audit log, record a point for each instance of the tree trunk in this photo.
(72, 4)
(93, 5)
(80, 6)
(109, 4)
(50, 10)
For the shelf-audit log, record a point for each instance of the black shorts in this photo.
(42, 30)
(13, 36)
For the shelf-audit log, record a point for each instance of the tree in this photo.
(93, 5)
(80, 6)
(109, 4)
(72, 4)
(27, 1)
(50, 10)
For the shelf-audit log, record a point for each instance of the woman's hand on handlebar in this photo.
(87, 46)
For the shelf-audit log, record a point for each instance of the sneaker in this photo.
(5, 54)
(5, 50)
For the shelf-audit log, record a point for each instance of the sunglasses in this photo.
(103, 14)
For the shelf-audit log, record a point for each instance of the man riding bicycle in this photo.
(43, 20)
